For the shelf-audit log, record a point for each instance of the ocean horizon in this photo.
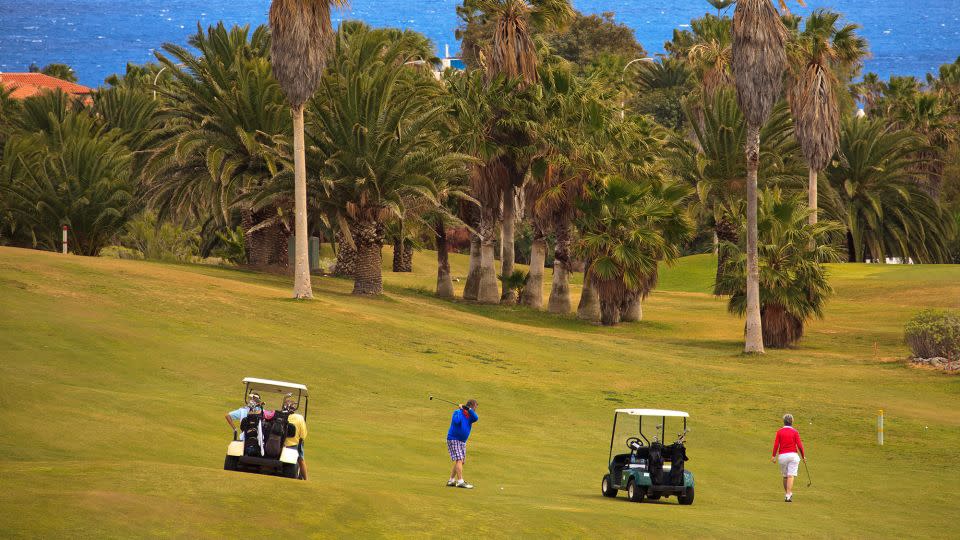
(98, 37)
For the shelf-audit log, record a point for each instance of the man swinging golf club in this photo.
(787, 452)
(460, 425)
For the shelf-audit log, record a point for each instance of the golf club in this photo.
(806, 468)
(444, 400)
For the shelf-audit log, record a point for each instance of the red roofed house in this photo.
(25, 85)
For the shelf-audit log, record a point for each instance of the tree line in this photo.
(560, 145)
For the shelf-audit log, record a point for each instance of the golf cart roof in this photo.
(267, 385)
(652, 412)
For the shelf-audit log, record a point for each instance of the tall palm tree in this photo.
(716, 165)
(512, 54)
(817, 54)
(301, 35)
(759, 62)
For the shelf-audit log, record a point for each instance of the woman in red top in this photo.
(788, 451)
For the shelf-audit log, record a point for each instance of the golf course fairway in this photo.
(115, 376)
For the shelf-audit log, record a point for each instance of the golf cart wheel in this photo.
(607, 487)
(686, 499)
(231, 463)
(634, 492)
(290, 470)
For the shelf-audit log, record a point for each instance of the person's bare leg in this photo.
(788, 484)
(458, 470)
(303, 469)
(453, 472)
(785, 488)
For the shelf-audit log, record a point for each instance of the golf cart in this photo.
(651, 469)
(261, 448)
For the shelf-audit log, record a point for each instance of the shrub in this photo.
(934, 333)
(161, 241)
(233, 246)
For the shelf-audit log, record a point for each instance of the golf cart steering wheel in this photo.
(632, 440)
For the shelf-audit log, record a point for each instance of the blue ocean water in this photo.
(98, 37)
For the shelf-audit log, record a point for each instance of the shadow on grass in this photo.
(523, 315)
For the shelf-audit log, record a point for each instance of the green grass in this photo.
(115, 375)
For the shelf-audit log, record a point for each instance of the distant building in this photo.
(25, 85)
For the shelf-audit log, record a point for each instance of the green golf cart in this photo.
(651, 469)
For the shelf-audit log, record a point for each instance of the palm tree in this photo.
(477, 106)
(379, 137)
(935, 120)
(301, 35)
(222, 111)
(793, 278)
(512, 55)
(567, 120)
(874, 193)
(759, 62)
(818, 54)
(75, 173)
(621, 234)
(716, 165)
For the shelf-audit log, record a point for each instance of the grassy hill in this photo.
(115, 376)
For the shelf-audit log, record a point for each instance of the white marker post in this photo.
(64, 239)
(880, 428)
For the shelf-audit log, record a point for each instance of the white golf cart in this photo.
(260, 448)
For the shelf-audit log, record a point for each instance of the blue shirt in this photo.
(460, 424)
(239, 415)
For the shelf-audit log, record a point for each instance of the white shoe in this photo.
(464, 485)
(788, 498)
(451, 483)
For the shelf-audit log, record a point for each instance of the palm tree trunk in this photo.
(402, 256)
(301, 267)
(473, 274)
(851, 248)
(754, 330)
(725, 231)
(560, 290)
(507, 235)
(487, 291)
(346, 264)
(533, 290)
(609, 311)
(444, 281)
(812, 196)
(368, 277)
(631, 310)
(589, 307)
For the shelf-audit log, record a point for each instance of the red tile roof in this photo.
(28, 84)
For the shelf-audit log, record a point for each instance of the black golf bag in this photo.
(656, 463)
(678, 454)
(274, 432)
(250, 426)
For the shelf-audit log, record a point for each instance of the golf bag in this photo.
(678, 454)
(274, 432)
(656, 463)
(252, 439)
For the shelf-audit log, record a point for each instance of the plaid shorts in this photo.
(457, 449)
